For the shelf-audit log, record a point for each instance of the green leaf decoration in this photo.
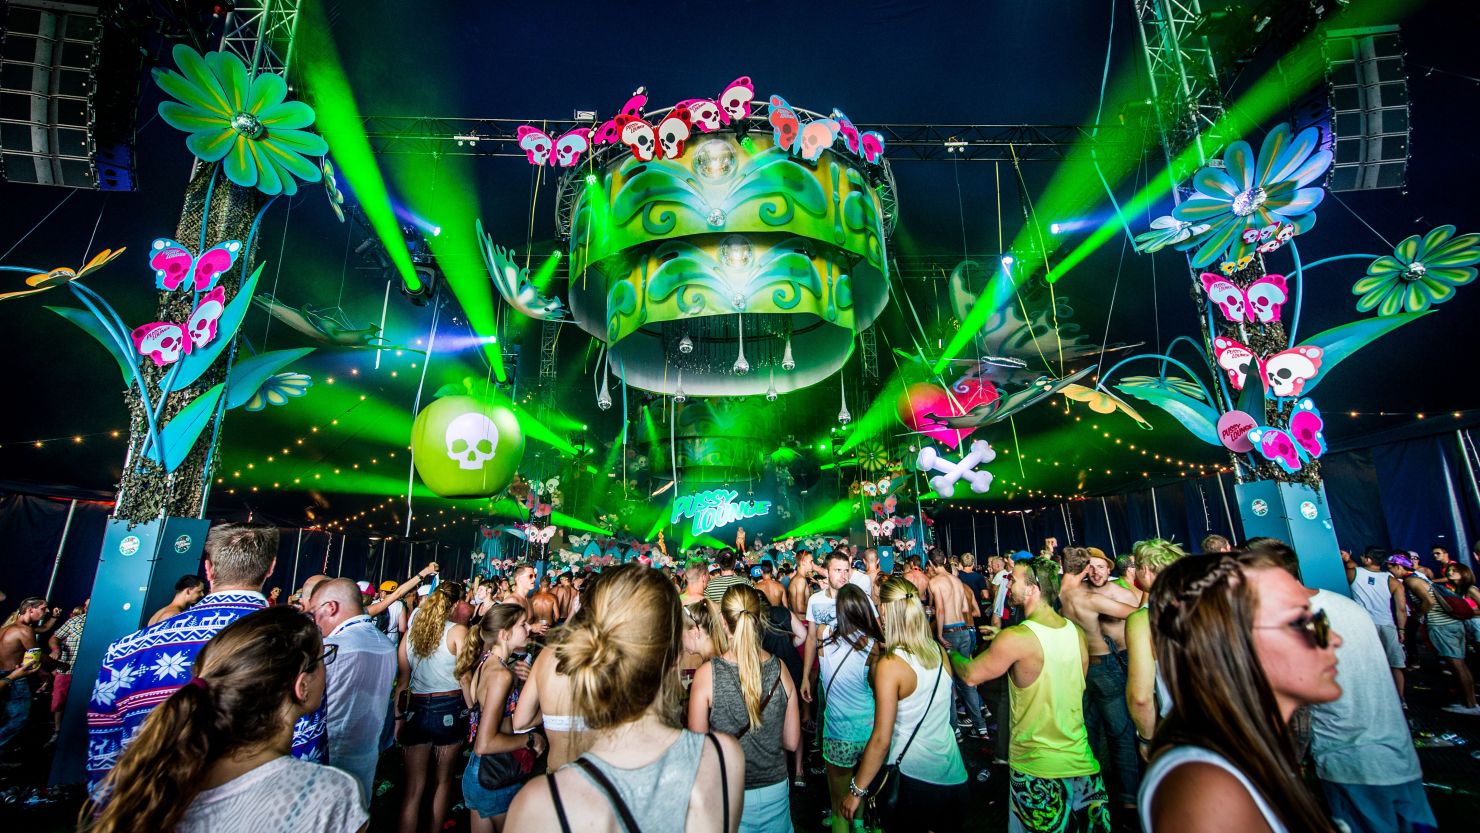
(1251, 398)
(1196, 416)
(1339, 342)
(199, 360)
(248, 375)
(89, 324)
(179, 436)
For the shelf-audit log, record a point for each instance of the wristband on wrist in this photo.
(854, 789)
(1142, 739)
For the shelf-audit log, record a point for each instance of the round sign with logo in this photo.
(1233, 431)
(129, 545)
(1308, 510)
(182, 544)
(465, 447)
(1260, 507)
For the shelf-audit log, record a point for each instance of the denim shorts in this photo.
(1448, 639)
(485, 802)
(440, 720)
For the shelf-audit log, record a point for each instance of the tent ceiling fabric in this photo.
(340, 451)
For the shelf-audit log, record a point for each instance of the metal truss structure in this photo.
(868, 344)
(903, 142)
(1185, 90)
(261, 33)
(549, 341)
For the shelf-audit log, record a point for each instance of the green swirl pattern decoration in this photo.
(733, 250)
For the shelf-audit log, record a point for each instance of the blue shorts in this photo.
(485, 802)
(1390, 808)
(440, 720)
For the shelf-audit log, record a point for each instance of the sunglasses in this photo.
(1317, 627)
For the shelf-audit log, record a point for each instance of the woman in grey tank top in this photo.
(641, 773)
(746, 693)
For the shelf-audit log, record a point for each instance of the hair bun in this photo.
(584, 646)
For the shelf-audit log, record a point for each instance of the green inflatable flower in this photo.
(242, 122)
(1419, 273)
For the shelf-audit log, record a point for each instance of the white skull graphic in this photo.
(471, 440)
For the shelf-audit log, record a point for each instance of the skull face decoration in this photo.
(471, 440)
(465, 447)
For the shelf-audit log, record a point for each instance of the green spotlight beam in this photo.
(835, 518)
(338, 119)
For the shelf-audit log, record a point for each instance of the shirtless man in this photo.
(955, 628)
(188, 591)
(696, 578)
(918, 578)
(19, 637)
(769, 586)
(871, 570)
(544, 609)
(565, 593)
(519, 594)
(1100, 609)
(801, 587)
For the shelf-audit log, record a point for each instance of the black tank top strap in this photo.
(615, 798)
(724, 781)
(559, 806)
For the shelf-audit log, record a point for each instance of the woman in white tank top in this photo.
(431, 712)
(1240, 649)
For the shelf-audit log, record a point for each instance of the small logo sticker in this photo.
(182, 544)
(1308, 510)
(1260, 507)
(129, 545)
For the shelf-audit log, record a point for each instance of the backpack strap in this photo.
(559, 807)
(724, 781)
(934, 686)
(615, 798)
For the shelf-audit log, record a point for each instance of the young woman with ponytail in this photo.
(746, 692)
(491, 691)
(434, 713)
(621, 657)
(215, 755)
(1240, 650)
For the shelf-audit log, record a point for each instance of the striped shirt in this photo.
(715, 592)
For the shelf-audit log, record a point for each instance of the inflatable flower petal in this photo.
(1420, 272)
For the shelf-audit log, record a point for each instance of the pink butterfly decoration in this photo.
(869, 146)
(1260, 302)
(733, 104)
(610, 132)
(174, 266)
(165, 342)
(564, 152)
(1284, 374)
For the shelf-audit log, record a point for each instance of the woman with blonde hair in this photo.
(642, 771)
(490, 688)
(434, 713)
(745, 692)
(704, 638)
(215, 756)
(912, 740)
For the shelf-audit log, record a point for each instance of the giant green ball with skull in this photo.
(466, 447)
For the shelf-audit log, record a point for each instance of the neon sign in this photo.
(716, 508)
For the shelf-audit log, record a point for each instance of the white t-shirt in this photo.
(861, 580)
(393, 616)
(284, 795)
(822, 610)
(999, 601)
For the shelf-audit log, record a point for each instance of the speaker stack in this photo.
(1368, 89)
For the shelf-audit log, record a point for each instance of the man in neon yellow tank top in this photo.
(1056, 784)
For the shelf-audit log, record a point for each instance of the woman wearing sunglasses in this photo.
(1241, 649)
(216, 753)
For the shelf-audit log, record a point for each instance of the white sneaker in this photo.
(1458, 709)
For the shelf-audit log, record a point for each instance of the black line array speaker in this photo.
(69, 85)
(1369, 108)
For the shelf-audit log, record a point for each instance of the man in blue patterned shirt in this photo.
(143, 669)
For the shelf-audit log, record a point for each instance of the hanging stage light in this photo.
(685, 344)
(771, 391)
(787, 362)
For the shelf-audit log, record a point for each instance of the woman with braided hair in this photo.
(1240, 649)
(215, 755)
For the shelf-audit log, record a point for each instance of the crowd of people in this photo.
(1159, 691)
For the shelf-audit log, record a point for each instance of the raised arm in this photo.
(378, 607)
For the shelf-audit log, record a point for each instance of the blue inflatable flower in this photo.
(1248, 193)
(242, 122)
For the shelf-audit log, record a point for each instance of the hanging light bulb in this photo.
(742, 366)
(787, 362)
(771, 391)
(678, 395)
(844, 417)
(685, 344)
